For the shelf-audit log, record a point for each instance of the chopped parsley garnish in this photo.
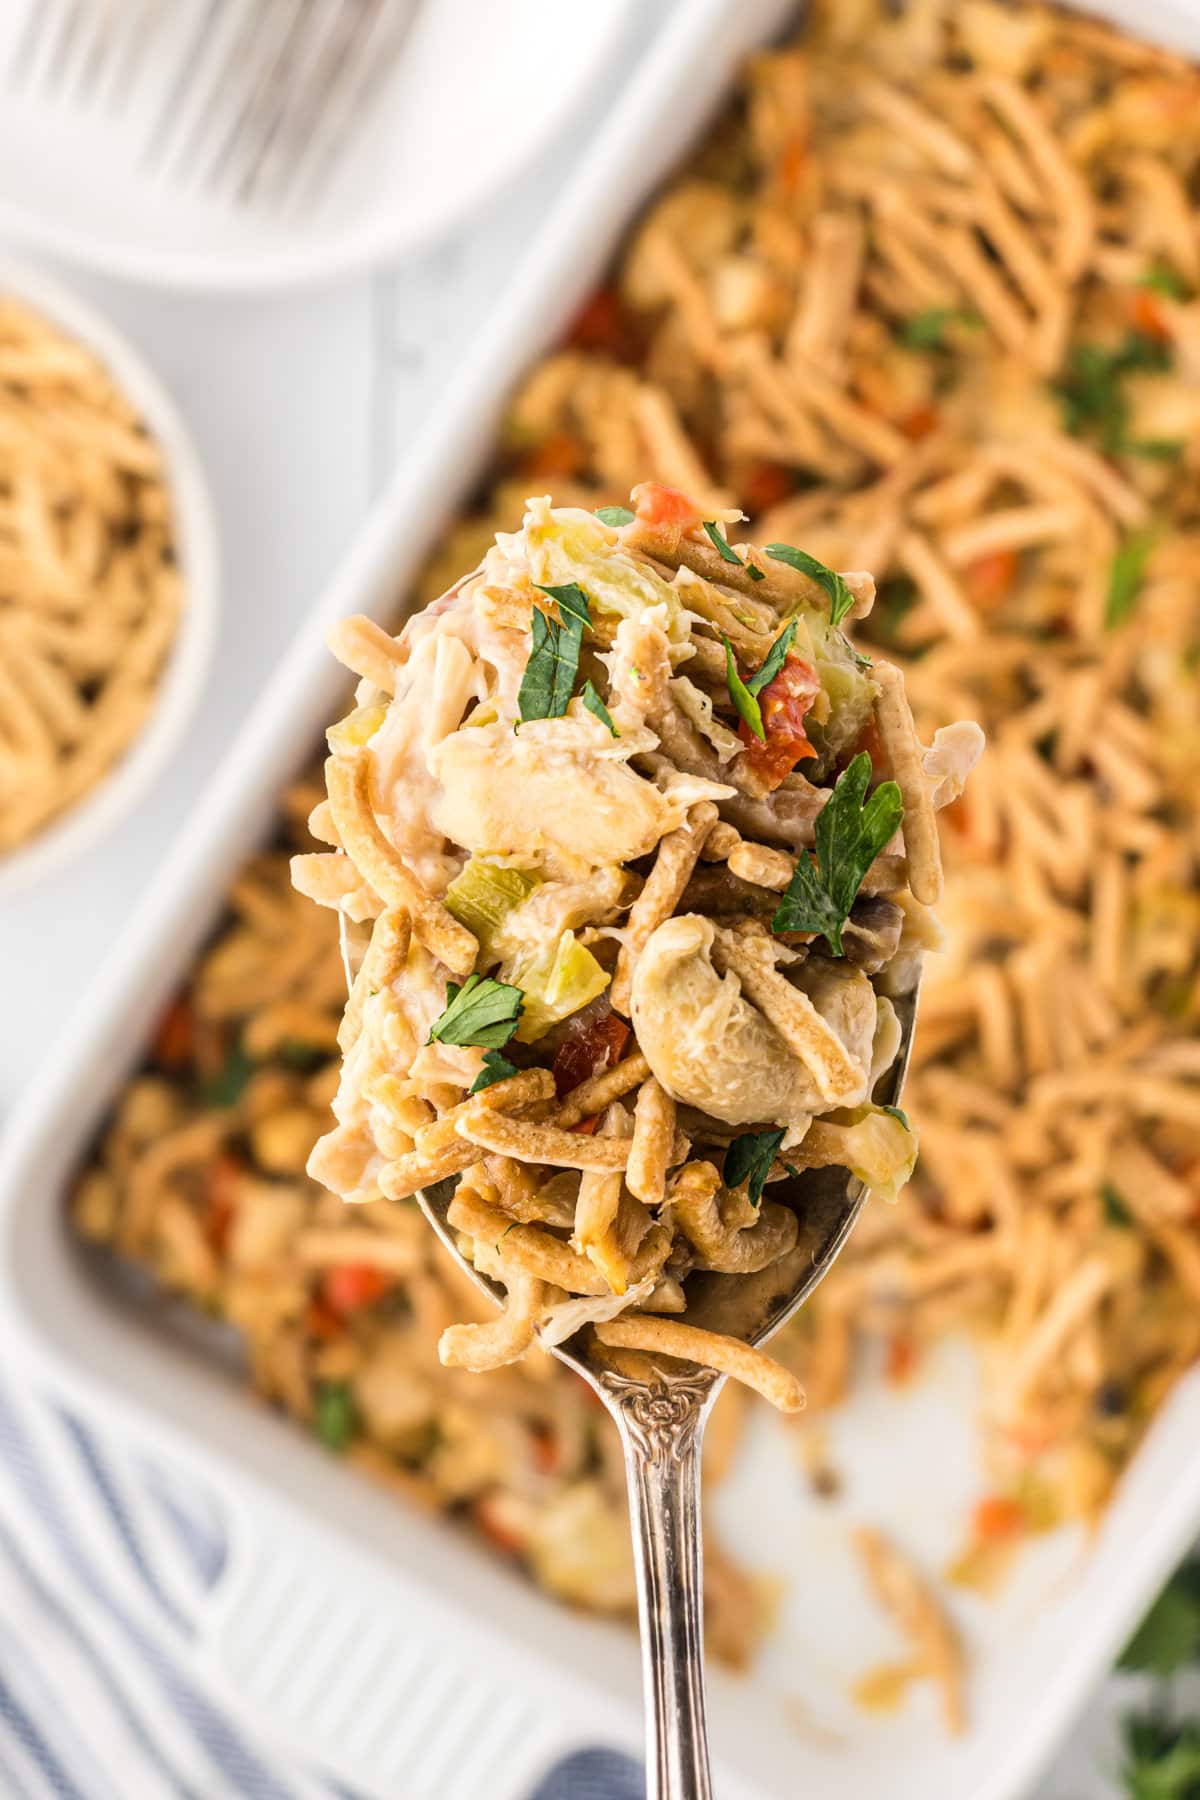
(595, 704)
(1161, 278)
(1125, 575)
(495, 1068)
(744, 694)
(1157, 449)
(1168, 1637)
(745, 702)
(774, 660)
(615, 515)
(1092, 388)
(553, 662)
(925, 330)
(229, 1083)
(749, 1159)
(728, 554)
(482, 1011)
(840, 597)
(335, 1418)
(299, 1055)
(898, 1113)
(1162, 1757)
(1115, 1210)
(849, 836)
(721, 544)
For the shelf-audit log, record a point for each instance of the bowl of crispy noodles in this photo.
(108, 577)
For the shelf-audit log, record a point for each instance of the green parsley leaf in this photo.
(1157, 449)
(615, 515)
(924, 331)
(572, 602)
(229, 1083)
(1125, 574)
(720, 543)
(849, 836)
(1162, 1758)
(595, 704)
(1115, 1210)
(745, 702)
(554, 655)
(749, 1159)
(483, 1011)
(754, 572)
(840, 597)
(299, 1055)
(495, 1068)
(774, 660)
(335, 1417)
(1161, 278)
(1168, 1638)
(1092, 392)
(898, 1113)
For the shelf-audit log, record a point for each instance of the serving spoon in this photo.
(662, 1420)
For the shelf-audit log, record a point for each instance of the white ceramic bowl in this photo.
(480, 89)
(186, 664)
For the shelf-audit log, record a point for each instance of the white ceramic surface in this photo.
(187, 662)
(338, 1580)
(447, 130)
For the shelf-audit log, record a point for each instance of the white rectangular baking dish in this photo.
(385, 1643)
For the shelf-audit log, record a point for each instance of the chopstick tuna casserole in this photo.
(925, 302)
(618, 888)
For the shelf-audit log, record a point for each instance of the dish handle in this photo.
(382, 1684)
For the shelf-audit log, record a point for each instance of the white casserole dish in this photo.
(385, 1643)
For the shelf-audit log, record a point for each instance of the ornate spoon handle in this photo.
(661, 1429)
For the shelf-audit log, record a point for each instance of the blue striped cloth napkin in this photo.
(105, 1558)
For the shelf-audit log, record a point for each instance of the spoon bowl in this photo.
(661, 1420)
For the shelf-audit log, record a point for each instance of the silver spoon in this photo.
(662, 1422)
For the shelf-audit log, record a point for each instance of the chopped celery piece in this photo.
(566, 545)
(556, 983)
(872, 1144)
(482, 897)
(357, 728)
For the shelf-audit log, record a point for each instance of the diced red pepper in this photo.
(350, 1286)
(919, 421)
(869, 740)
(784, 703)
(175, 1034)
(989, 579)
(601, 324)
(901, 1360)
(591, 1045)
(559, 454)
(1149, 315)
(547, 1449)
(997, 1518)
(792, 165)
(323, 1322)
(587, 1127)
(657, 504)
(494, 1528)
(765, 484)
(221, 1184)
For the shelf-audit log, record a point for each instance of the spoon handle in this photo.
(661, 1428)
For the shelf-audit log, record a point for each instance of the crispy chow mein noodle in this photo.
(924, 303)
(526, 806)
(201, 1177)
(89, 591)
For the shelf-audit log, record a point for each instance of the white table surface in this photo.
(299, 406)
